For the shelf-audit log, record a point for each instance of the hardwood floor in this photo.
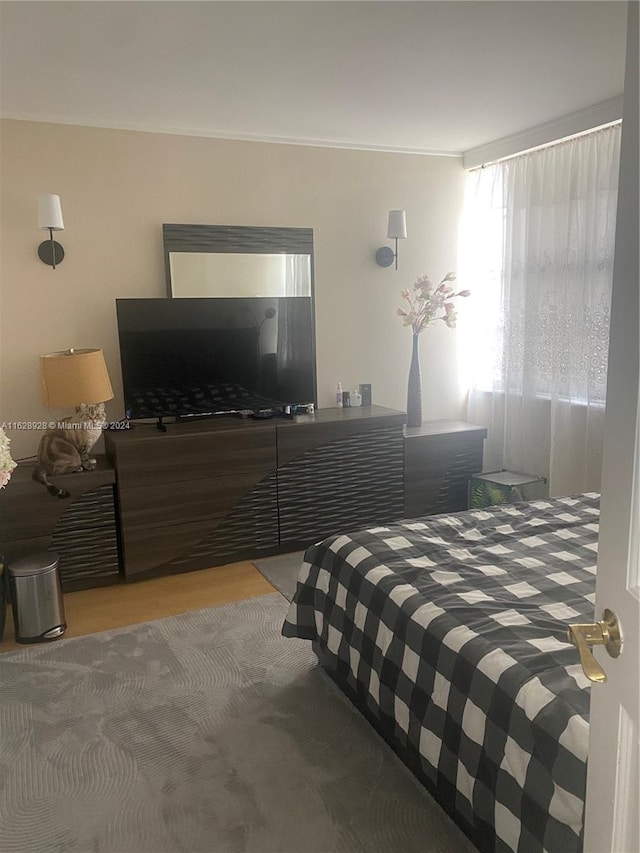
(91, 610)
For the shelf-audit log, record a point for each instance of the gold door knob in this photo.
(605, 633)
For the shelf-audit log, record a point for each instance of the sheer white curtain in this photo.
(537, 252)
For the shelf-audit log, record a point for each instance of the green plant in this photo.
(487, 494)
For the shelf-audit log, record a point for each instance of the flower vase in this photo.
(414, 389)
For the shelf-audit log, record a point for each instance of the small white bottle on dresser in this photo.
(339, 395)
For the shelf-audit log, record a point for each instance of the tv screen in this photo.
(190, 357)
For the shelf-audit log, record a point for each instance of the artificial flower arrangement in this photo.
(6, 462)
(427, 304)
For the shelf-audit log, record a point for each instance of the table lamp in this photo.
(73, 377)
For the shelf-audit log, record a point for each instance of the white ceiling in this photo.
(411, 76)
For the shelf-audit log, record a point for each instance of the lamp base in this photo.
(385, 256)
(50, 252)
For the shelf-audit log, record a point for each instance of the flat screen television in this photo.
(197, 357)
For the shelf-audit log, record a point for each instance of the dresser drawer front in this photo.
(343, 485)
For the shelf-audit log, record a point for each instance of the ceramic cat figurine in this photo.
(66, 449)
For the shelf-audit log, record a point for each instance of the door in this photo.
(613, 787)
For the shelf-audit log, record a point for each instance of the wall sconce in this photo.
(74, 376)
(50, 219)
(396, 230)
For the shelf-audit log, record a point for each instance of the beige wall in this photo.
(118, 187)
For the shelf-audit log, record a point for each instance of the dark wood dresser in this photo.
(217, 491)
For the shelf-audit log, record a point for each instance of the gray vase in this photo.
(414, 388)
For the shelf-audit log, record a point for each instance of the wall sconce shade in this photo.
(397, 226)
(50, 213)
(73, 377)
(396, 230)
(50, 219)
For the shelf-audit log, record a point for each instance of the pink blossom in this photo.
(427, 305)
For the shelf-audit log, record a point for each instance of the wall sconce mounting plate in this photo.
(50, 252)
(385, 256)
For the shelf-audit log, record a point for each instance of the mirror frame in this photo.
(238, 239)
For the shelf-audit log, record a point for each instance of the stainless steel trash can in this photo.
(36, 598)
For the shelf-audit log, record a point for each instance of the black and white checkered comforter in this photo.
(450, 632)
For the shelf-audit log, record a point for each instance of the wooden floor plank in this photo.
(103, 608)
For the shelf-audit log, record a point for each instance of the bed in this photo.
(449, 633)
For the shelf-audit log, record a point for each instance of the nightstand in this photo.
(439, 458)
(81, 529)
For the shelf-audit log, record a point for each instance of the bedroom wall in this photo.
(118, 187)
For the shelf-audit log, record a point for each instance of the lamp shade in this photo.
(397, 224)
(50, 213)
(73, 377)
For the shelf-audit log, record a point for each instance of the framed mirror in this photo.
(227, 261)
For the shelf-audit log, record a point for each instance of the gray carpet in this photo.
(282, 571)
(202, 732)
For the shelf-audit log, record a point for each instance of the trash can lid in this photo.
(35, 564)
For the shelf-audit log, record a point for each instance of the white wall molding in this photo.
(233, 137)
(597, 115)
